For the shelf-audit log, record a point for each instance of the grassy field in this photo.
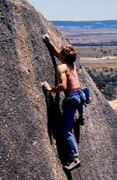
(97, 51)
(84, 35)
(92, 42)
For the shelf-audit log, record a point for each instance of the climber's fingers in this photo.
(46, 85)
(46, 38)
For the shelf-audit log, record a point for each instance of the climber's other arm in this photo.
(61, 69)
(56, 52)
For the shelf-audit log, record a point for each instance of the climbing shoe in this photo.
(72, 164)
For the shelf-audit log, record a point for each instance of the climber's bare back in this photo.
(67, 76)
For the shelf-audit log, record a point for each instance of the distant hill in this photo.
(88, 24)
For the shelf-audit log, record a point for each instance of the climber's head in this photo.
(69, 53)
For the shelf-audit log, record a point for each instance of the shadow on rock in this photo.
(54, 125)
(54, 122)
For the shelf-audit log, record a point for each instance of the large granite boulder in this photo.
(30, 117)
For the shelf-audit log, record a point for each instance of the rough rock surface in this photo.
(29, 117)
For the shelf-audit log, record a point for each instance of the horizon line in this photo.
(84, 20)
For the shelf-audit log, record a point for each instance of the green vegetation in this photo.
(105, 79)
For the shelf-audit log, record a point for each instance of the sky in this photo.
(76, 10)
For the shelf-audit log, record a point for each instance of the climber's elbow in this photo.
(62, 87)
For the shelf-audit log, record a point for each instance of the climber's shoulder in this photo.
(62, 68)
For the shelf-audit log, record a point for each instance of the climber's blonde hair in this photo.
(70, 53)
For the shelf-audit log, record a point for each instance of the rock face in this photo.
(29, 117)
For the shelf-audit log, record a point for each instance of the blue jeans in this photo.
(66, 129)
(74, 100)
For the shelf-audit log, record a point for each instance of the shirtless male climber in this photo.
(74, 96)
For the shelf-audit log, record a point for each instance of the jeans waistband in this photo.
(72, 92)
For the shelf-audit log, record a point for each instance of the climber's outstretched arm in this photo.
(56, 52)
